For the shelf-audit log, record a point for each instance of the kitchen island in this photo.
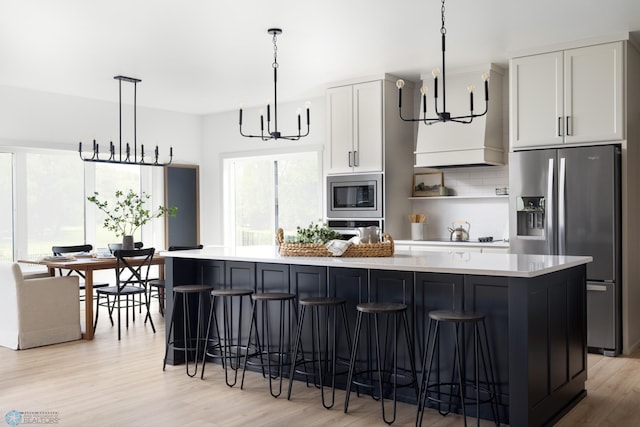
(535, 306)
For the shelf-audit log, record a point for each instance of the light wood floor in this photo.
(109, 383)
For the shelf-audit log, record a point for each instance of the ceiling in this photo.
(207, 56)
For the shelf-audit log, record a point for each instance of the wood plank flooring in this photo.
(109, 383)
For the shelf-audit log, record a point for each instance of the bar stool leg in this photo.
(253, 325)
(212, 318)
(352, 361)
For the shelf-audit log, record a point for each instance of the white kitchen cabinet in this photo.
(567, 97)
(355, 128)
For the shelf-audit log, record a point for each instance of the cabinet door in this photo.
(367, 113)
(340, 129)
(536, 106)
(593, 93)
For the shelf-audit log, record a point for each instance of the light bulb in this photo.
(298, 111)
(435, 72)
(400, 83)
(307, 104)
(485, 76)
(423, 90)
(470, 88)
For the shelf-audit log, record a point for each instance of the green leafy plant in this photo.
(129, 213)
(316, 233)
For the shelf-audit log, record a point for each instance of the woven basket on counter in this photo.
(380, 249)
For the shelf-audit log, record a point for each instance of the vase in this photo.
(127, 243)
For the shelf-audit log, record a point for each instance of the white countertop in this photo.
(488, 264)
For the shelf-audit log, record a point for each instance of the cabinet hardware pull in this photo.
(350, 158)
(356, 159)
(559, 126)
(568, 132)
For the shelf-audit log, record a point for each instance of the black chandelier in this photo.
(275, 134)
(444, 115)
(127, 159)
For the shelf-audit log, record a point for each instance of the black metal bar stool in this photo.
(392, 311)
(229, 343)
(468, 391)
(187, 343)
(276, 358)
(320, 366)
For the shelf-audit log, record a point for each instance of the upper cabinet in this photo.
(355, 116)
(567, 97)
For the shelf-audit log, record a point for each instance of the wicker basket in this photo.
(381, 249)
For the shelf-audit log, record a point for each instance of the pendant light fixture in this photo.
(128, 158)
(444, 115)
(275, 133)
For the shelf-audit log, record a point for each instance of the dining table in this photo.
(87, 266)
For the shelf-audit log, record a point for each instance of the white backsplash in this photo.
(488, 216)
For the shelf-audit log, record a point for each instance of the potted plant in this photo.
(128, 214)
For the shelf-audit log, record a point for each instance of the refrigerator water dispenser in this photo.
(530, 216)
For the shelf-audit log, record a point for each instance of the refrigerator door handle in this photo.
(562, 241)
(597, 288)
(550, 208)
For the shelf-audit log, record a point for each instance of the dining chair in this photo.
(157, 286)
(74, 250)
(131, 279)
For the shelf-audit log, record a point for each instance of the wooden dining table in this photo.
(87, 266)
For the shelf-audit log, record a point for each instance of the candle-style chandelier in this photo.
(275, 133)
(128, 158)
(444, 115)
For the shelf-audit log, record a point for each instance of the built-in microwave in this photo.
(354, 196)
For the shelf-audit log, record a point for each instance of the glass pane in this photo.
(271, 192)
(298, 191)
(6, 208)
(55, 208)
(109, 179)
(254, 207)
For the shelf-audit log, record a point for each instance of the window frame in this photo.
(228, 196)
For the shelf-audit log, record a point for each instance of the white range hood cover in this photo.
(455, 144)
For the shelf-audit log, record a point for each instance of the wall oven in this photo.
(354, 196)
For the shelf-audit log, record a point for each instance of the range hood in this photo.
(452, 144)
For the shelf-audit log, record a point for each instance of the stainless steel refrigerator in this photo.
(567, 202)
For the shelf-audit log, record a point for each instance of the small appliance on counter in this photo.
(459, 231)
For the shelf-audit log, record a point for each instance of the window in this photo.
(6, 207)
(48, 188)
(54, 214)
(268, 192)
(109, 179)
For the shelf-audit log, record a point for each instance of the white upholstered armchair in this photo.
(37, 311)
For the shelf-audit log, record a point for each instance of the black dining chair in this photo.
(132, 275)
(75, 250)
(157, 286)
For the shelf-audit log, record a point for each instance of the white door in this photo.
(536, 105)
(593, 93)
(340, 129)
(368, 126)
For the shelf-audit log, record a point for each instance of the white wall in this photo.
(37, 119)
(487, 216)
(33, 119)
(45, 120)
(221, 138)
